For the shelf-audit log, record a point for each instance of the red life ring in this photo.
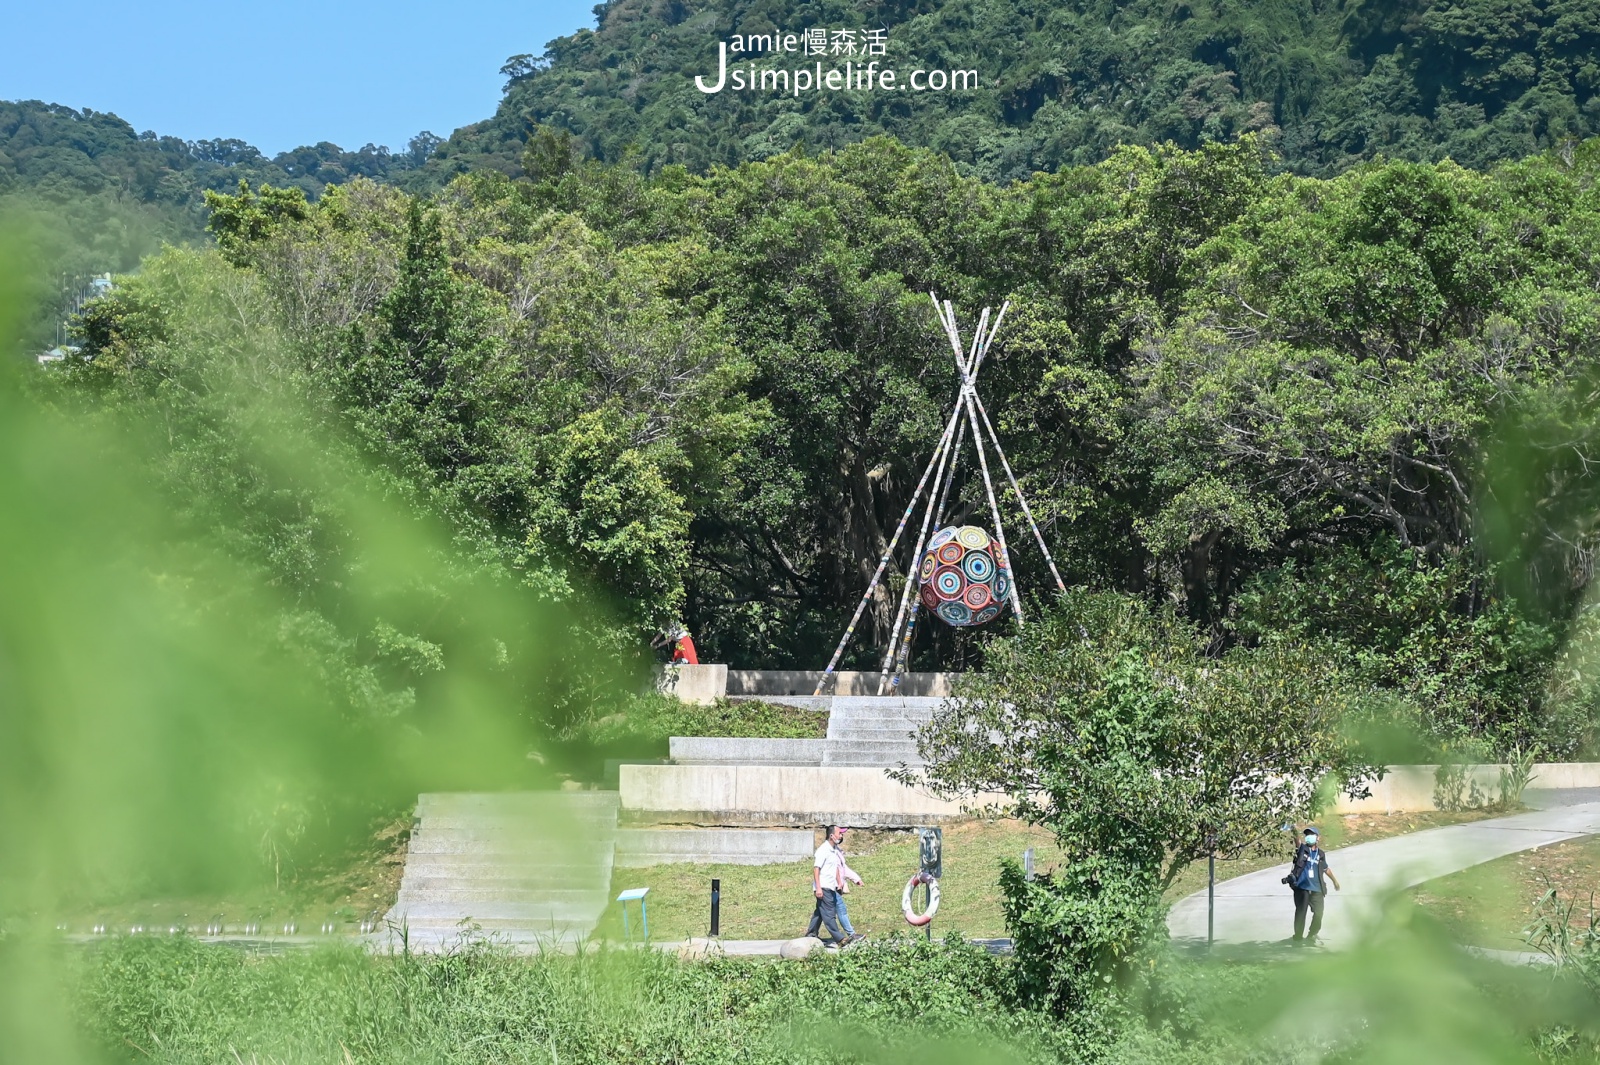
(917, 920)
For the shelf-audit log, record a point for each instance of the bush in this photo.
(1078, 932)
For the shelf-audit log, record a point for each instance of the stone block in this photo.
(703, 684)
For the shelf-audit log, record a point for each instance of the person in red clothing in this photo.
(683, 652)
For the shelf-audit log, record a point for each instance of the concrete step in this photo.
(481, 873)
(877, 721)
(542, 825)
(565, 802)
(525, 862)
(857, 753)
(901, 703)
(882, 720)
(872, 732)
(872, 754)
(527, 915)
(699, 750)
(472, 866)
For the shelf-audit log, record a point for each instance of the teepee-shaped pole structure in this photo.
(968, 416)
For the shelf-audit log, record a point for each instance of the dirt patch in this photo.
(1489, 904)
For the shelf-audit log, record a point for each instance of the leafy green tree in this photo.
(248, 218)
(1105, 722)
(1469, 661)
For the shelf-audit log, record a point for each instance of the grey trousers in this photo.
(826, 915)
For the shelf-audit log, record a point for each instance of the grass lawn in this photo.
(775, 901)
(1488, 905)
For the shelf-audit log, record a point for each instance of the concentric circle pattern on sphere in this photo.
(962, 578)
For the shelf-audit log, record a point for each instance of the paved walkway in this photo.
(1258, 909)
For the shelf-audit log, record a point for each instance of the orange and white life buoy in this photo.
(915, 919)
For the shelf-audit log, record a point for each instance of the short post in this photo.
(927, 900)
(716, 907)
(931, 847)
(1027, 864)
(1211, 898)
(1211, 888)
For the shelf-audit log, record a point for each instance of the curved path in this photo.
(1258, 908)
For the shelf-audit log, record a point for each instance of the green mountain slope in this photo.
(1062, 83)
(105, 195)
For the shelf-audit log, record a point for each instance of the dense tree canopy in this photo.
(1066, 83)
(1276, 404)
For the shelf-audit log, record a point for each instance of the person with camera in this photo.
(1309, 876)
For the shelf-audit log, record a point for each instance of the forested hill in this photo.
(92, 170)
(111, 195)
(61, 151)
(1062, 83)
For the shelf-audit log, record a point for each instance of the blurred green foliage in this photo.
(181, 1002)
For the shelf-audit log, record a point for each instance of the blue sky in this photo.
(277, 75)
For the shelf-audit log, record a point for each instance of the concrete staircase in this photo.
(877, 732)
(522, 866)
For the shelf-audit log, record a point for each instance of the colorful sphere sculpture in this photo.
(963, 579)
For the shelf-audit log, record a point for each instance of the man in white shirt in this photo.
(827, 879)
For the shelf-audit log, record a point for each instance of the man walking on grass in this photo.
(827, 880)
(1309, 877)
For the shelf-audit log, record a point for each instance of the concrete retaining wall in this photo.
(703, 684)
(779, 795)
(758, 682)
(723, 794)
(710, 682)
(718, 750)
(1410, 788)
(641, 847)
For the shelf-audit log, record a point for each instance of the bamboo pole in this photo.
(983, 463)
(916, 604)
(963, 362)
(911, 570)
(1027, 511)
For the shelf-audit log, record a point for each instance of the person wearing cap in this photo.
(1309, 877)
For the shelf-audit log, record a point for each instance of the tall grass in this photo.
(175, 1000)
